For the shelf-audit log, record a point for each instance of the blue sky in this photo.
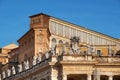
(99, 15)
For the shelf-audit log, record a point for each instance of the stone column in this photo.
(110, 77)
(64, 77)
(53, 77)
(89, 77)
(0, 77)
(98, 77)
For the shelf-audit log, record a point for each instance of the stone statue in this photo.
(96, 74)
(0, 76)
(26, 65)
(3, 74)
(89, 49)
(8, 72)
(75, 45)
(13, 70)
(63, 51)
(20, 68)
(110, 51)
(70, 51)
(62, 48)
(46, 54)
(53, 47)
(34, 61)
(39, 58)
(93, 49)
(52, 51)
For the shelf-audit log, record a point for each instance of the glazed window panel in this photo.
(81, 36)
(92, 38)
(73, 32)
(60, 29)
(67, 32)
(55, 28)
(70, 32)
(63, 30)
(98, 40)
(52, 27)
(85, 36)
(77, 32)
(95, 40)
(101, 41)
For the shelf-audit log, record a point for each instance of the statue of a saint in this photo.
(26, 65)
(89, 49)
(110, 51)
(13, 70)
(93, 49)
(39, 58)
(46, 54)
(3, 74)
(53, 47)
(96, 74)
(64, 49)
(53, 52)
(34, 61)
(75, 45)
(8, 72)
(20, 68)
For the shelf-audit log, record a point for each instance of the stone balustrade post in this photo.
(110, 77)
(89, 77)
(64, 77)
(53, 77)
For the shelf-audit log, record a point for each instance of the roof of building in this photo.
(40, 14)
(25, 34)
(10, 46)
(73, 24)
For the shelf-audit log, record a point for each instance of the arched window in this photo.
(60, 42)
(66, 44)
(54, 41)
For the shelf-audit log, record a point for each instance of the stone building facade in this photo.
(4, 52)
(54, 49)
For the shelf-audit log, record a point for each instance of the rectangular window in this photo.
(99, 53)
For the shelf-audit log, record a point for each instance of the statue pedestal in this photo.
(109, 59)
(89, 57)
(53, 59)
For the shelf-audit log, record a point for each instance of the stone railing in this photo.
(33, 69)
(64, 57)
(107, 59)
(83, 57)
